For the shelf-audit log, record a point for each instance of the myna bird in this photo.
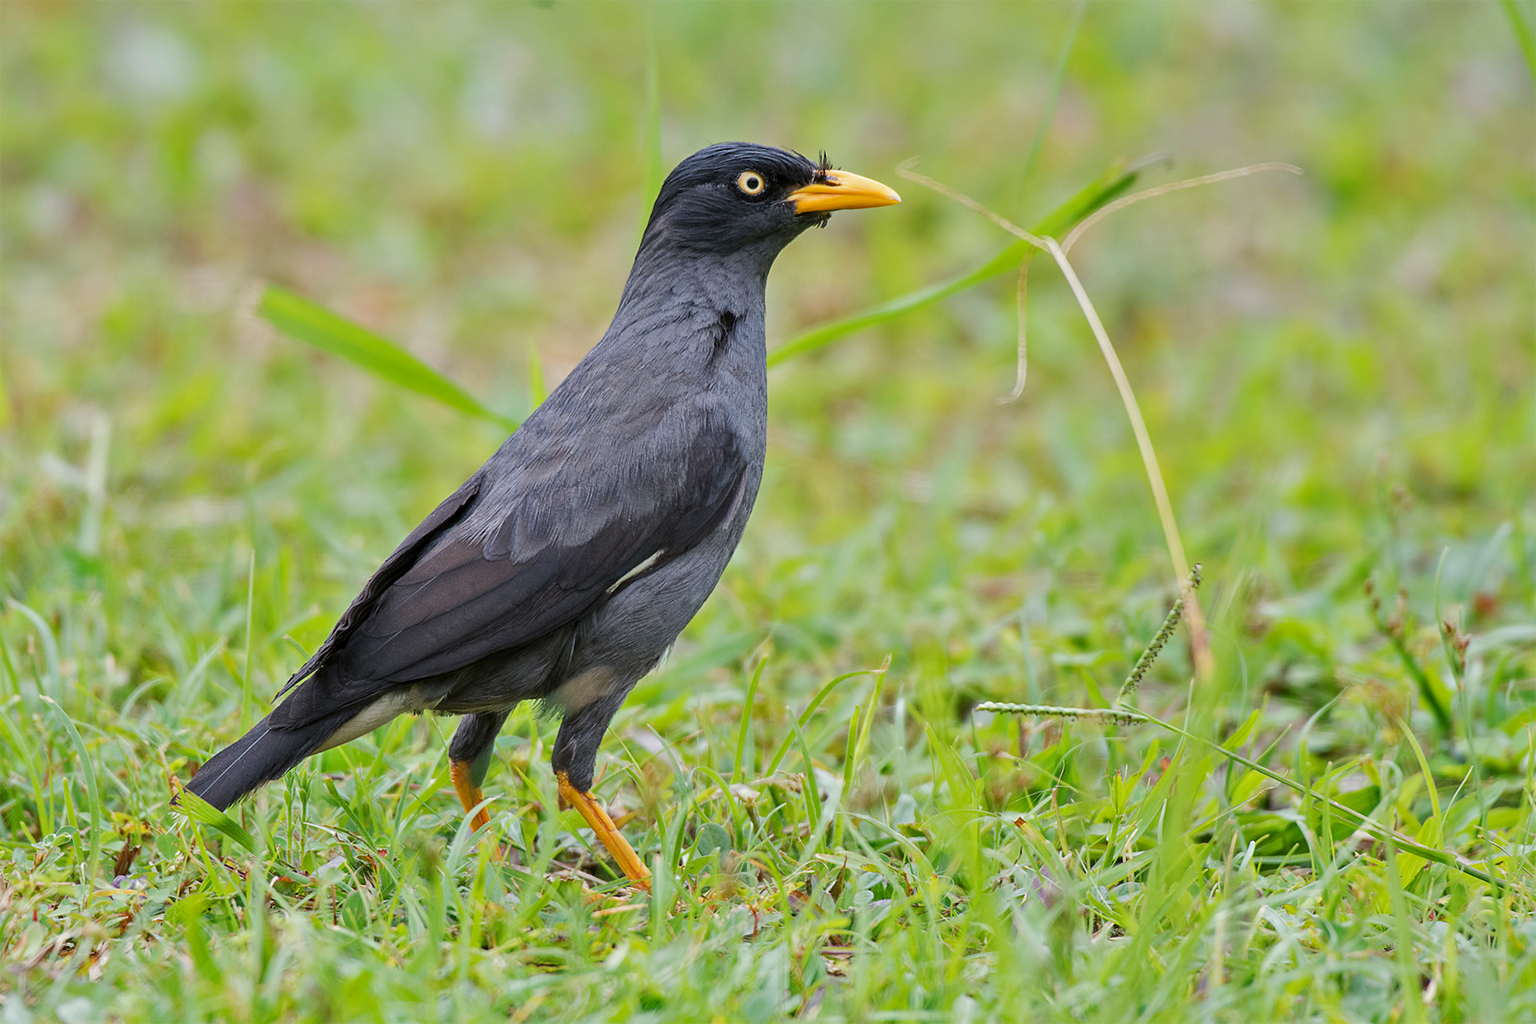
(568, 564)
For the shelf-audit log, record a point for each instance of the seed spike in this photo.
(1170, 623)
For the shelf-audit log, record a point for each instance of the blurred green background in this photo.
(468, 178)
(1338, 369)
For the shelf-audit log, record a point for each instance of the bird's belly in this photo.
(610, 647)
(503, 679)
(633, 629)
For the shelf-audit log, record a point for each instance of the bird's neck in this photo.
(669, 278)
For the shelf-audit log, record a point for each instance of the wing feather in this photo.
(467, 586)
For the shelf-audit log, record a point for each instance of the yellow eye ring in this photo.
(750, 182)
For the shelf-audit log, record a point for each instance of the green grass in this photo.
(1338, 371)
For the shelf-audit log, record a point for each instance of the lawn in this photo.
(1337, 370)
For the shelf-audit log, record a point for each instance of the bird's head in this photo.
(735, 196)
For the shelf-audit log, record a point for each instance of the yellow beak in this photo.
(842, 191)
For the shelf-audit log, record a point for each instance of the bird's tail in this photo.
(261, 755)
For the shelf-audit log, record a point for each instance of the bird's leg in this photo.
(469, 793)
(469, 758)
(607, 832)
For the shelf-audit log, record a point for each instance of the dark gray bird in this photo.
(565, 568)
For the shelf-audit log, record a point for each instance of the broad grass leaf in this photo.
(204, 813)
(331, 332)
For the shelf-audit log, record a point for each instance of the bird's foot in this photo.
(607, 832)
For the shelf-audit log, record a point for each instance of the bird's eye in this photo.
(750, 182)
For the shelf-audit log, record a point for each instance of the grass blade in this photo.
(1394, 632)
(247, 696)
(746, 721)
(1103, 189)
(50, 644)
(87, 768)
(874, 709)
(1523, 34)
(204, 813)
(315, 325)
(1048, 114)
(810, 709)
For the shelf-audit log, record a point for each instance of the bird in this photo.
(565, 568)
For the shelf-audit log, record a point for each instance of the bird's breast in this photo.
(724, 333)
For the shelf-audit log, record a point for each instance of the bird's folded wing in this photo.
(564, 543)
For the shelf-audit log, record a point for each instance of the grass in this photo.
(1337, 372)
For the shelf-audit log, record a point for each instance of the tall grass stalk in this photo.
(1199, 638)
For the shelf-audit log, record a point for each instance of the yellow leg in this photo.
(606, 831)
(469, 795)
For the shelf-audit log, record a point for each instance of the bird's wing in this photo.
(564, 543)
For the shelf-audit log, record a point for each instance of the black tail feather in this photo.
(261, 755)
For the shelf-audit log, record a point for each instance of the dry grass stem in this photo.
(1022, 370)
(1199, 637)
(1160, 190)
(905, 170)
